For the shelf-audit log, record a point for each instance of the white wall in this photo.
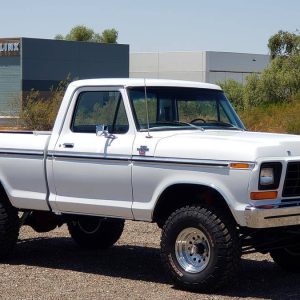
(172, 65)
(207, 66)
(143, 65)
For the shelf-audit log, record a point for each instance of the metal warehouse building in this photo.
(40, 64)
(207, 66)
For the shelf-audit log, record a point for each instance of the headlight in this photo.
(269, 176)
(266, 176)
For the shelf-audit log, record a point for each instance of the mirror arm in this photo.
(101, 130)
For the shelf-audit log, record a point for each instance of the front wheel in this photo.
(94, 232)
(287, 258)
(199, 248)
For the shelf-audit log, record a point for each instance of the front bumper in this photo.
(274, 217)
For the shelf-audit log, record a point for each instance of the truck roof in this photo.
(131, 82)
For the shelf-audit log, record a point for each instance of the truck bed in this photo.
(22, 167)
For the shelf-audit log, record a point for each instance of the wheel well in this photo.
(179, 195)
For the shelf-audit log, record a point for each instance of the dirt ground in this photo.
(51, 266)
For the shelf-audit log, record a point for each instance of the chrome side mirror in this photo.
(102, 130)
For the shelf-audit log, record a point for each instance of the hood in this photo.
(228, 145)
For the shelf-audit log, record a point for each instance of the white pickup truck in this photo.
(170, 152)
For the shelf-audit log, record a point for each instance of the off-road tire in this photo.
(224, 248)
(287, 258)
(87, 234)
(9, 227)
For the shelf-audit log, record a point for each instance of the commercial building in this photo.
(206, 66)
(40, 64)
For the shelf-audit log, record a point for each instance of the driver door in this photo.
(92, 173)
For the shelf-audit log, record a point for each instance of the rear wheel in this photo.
(287, 258)
(9, 228)
(199, 248)
(95, 232)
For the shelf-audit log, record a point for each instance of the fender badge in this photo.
(142, 150)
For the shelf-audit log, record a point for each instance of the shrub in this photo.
(277, 117)
(38, 112)
(234, 92)
(280, 82)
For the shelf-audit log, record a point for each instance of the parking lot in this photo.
(51, 266)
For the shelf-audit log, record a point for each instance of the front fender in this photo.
(150, 181)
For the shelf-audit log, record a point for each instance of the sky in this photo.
(158, 25)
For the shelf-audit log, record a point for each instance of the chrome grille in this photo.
(291, 186)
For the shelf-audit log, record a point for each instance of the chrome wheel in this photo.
(192, 250)
(199, 248)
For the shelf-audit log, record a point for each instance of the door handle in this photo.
(68, 145)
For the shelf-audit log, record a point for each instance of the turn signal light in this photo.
(263, 195)
(240, 166)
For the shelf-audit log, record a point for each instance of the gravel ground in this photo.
(51, 266)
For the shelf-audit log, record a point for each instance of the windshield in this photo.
(173, 108)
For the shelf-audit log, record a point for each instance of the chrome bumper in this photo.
(274, 217)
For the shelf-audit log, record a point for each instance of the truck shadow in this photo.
(258, 279)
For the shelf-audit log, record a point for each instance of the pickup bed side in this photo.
(22, 171)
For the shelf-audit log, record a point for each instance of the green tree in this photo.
(253, 91)
(80, 33)
(59, 37)
(278, 83)
(284, 43)
(83, 33)
(281, 81)
(109, 36)
(234, 92)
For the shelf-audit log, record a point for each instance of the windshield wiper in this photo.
(228, 125)
(190, 124)
(165, 126)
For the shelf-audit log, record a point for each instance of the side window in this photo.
(97, 108)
